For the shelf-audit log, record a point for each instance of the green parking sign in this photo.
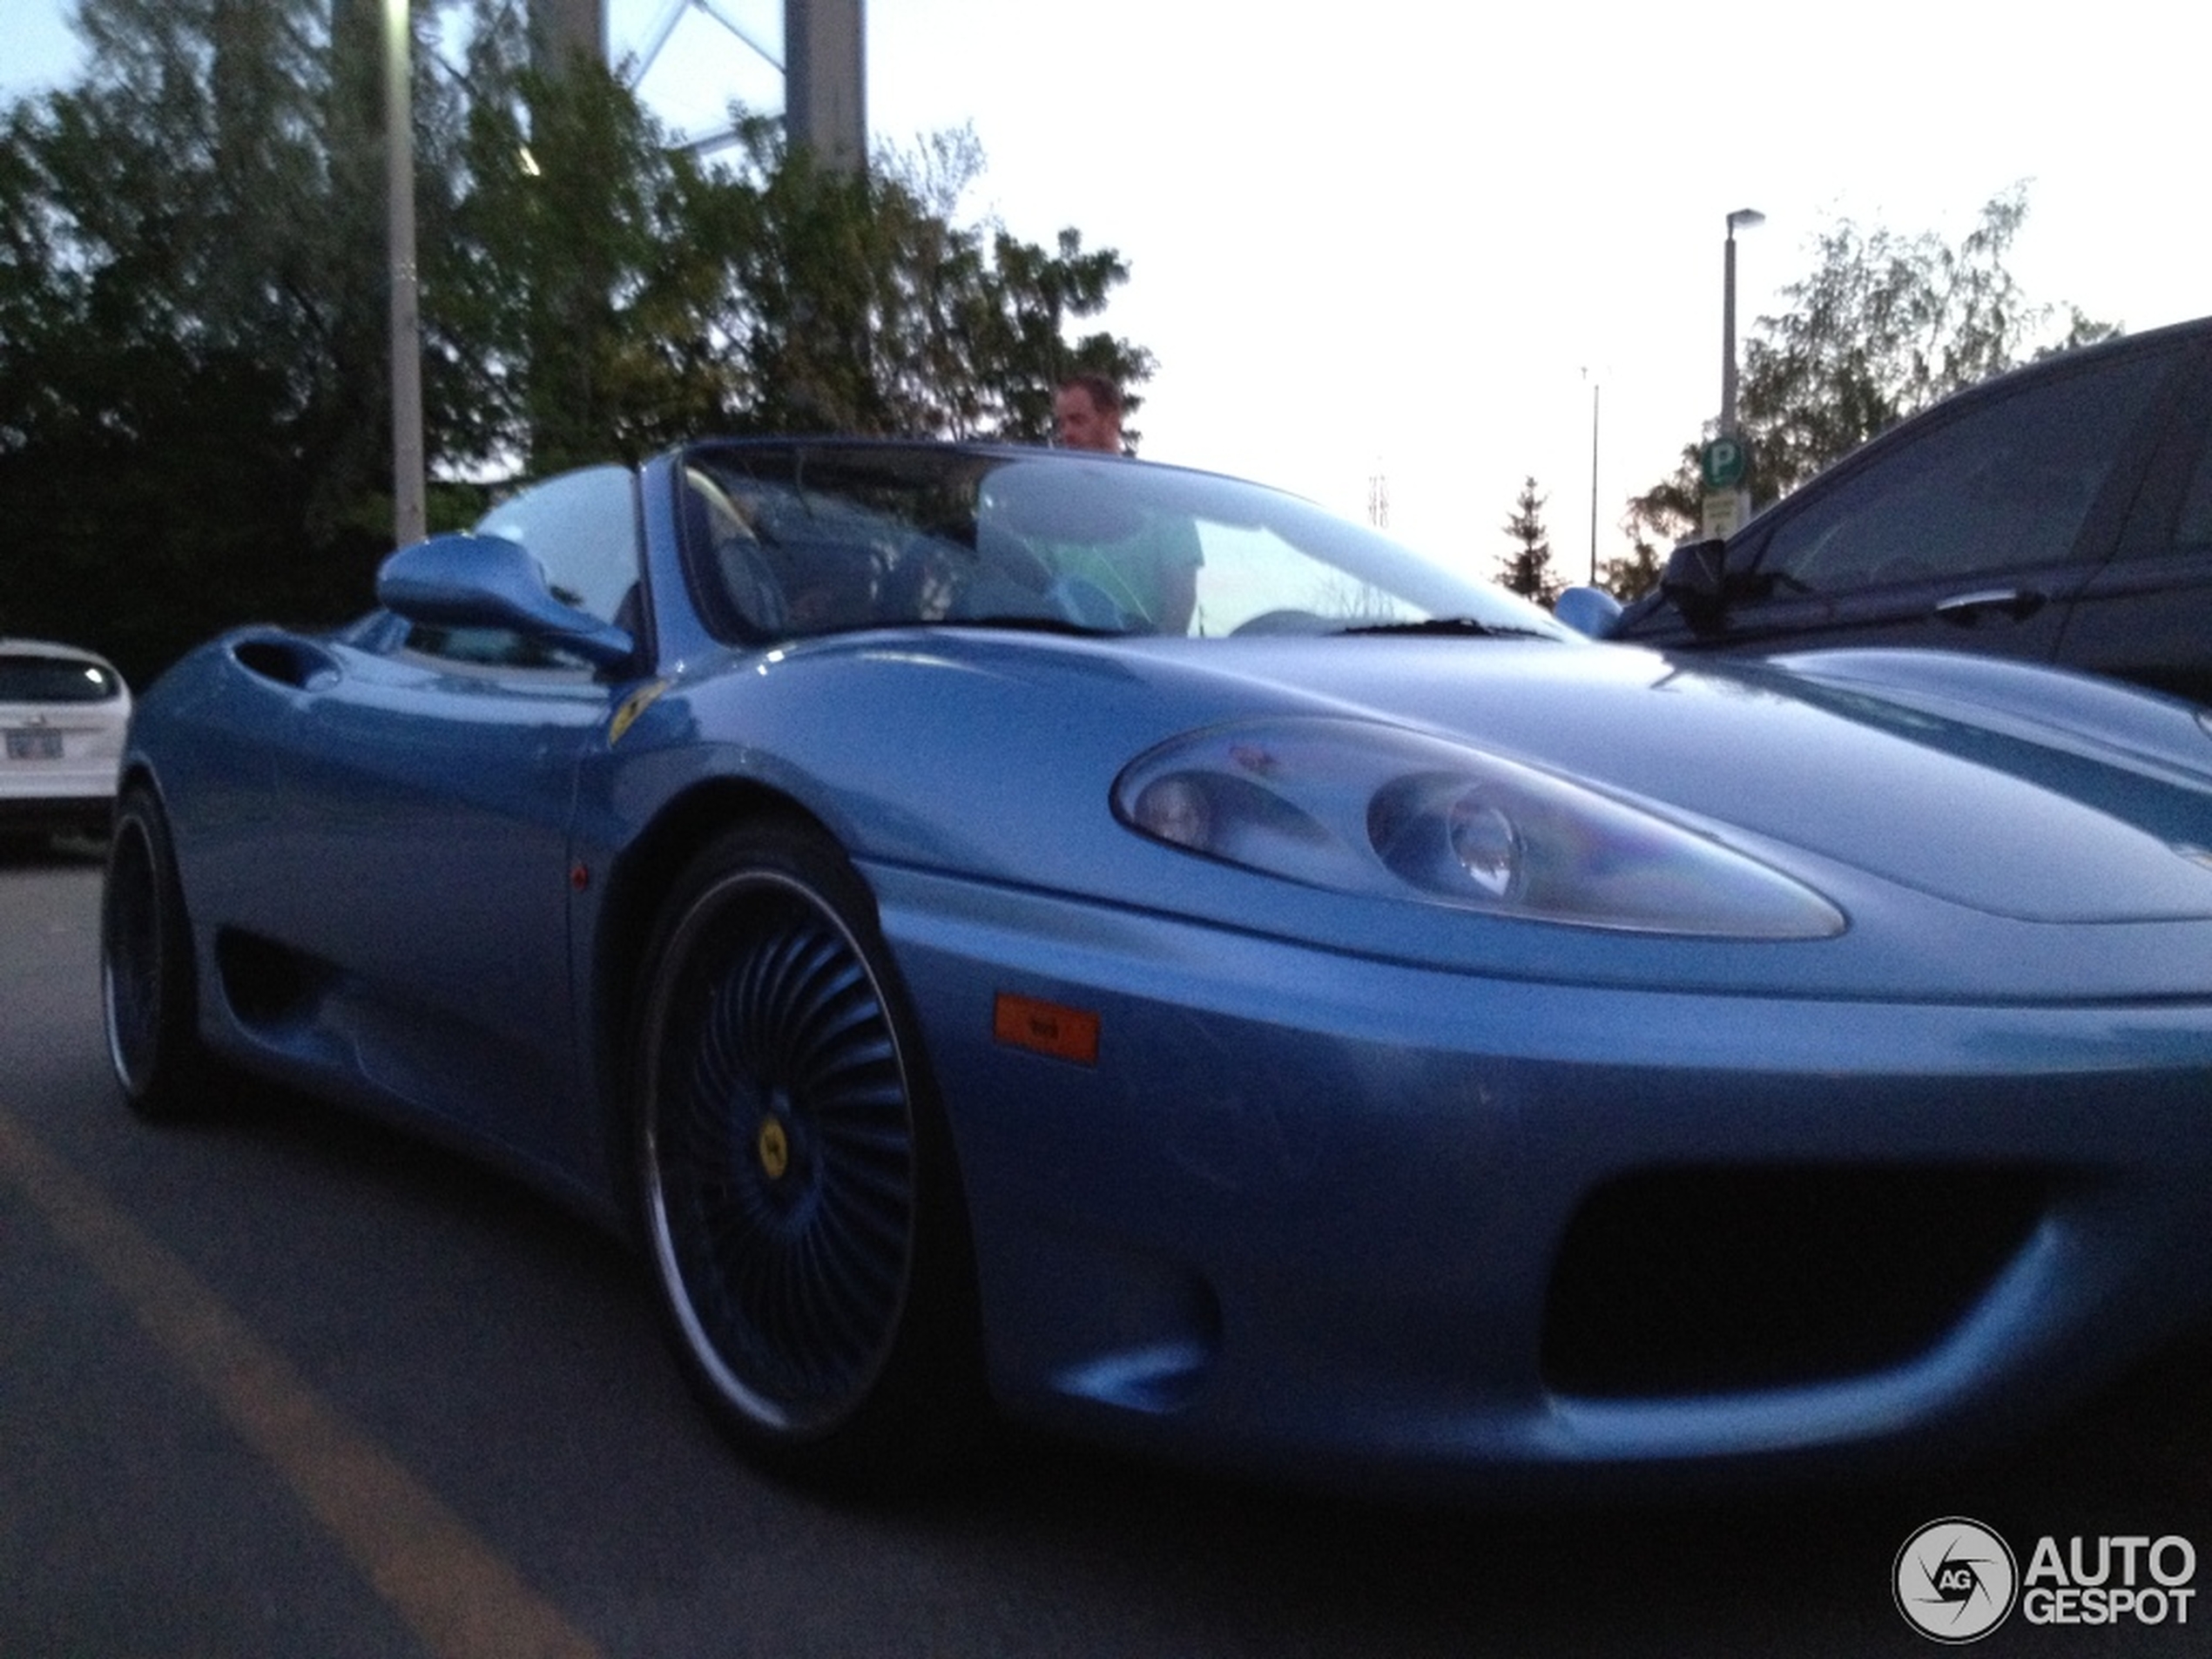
(1724, 462)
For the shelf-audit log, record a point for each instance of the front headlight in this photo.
(1373, 809)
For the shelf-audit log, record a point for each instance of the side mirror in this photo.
(459, 581)
(1694, 580)
(1589, 610)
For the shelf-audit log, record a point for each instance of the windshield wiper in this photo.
(1019, 623)
(1458, 627)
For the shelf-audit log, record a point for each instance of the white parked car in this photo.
(63, 713)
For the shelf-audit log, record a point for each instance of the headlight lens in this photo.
(1372, 809)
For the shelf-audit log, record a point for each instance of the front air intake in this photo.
(1695, 1281)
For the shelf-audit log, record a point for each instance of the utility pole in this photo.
(410, 514)
(565, 29)
(1723, 462)
(825, 81)
(1593, 391)
(1742, 219)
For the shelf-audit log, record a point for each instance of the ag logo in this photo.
(1955, 1580)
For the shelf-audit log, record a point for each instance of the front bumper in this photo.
(1309, 1211)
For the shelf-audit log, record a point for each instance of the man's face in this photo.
(1082, 424)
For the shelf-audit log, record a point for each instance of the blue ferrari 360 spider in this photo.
(1351, 1027)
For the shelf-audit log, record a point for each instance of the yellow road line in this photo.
(460, 1597)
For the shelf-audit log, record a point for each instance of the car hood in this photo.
(1965, 824)
(2020, 792)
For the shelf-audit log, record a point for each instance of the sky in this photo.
(1457, 247)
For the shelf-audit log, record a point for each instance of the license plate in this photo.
(34, 746)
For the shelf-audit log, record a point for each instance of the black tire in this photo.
(149, 994)
(804, 1217)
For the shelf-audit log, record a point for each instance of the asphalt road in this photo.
(284, 1384)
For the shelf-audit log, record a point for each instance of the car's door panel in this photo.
(2149, 621)
(2147, 615)
(2016, 619)
(1990, 521)
(436, 765)
(446, 794)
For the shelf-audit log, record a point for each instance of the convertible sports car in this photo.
(1360, 1030)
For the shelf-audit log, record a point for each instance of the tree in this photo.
(188, 351)
(1625, 579)
(1528, 569)
(1885, 326)
(194, 413)
(606, 292)
(610, 293)
(1665, 514)
(868, 309)
(570, 314)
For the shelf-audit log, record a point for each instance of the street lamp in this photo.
(1743, 218)
(408, 490)
(1593, 379)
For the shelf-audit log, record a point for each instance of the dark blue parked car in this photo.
(2061, 513)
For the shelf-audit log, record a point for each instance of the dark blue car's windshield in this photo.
(788, 540)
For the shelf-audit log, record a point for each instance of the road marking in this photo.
(458, 1596)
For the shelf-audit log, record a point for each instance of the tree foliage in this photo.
(184, 357)
(1883, 325)
(870, 310)
(194, 402)
(1624, 578)
(1528, 569)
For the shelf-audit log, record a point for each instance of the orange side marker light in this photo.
(1046, 1028)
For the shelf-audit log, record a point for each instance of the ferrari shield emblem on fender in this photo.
(633, 706)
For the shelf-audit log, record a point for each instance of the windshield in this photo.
(786, 540)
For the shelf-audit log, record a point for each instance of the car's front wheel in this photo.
(148, 995)
(798, 1186)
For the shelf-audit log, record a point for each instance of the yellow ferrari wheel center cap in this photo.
(773, 1146)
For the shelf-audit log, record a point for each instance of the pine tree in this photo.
(1528, 569)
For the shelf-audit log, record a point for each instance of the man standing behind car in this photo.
(1086, 415)
(1155, 573)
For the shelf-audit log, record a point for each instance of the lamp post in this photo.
(1743, 219)
(1593, 391)
(407, 490)
(1722, 464)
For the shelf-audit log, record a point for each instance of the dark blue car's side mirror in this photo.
(460, 580)
(1694, 580)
